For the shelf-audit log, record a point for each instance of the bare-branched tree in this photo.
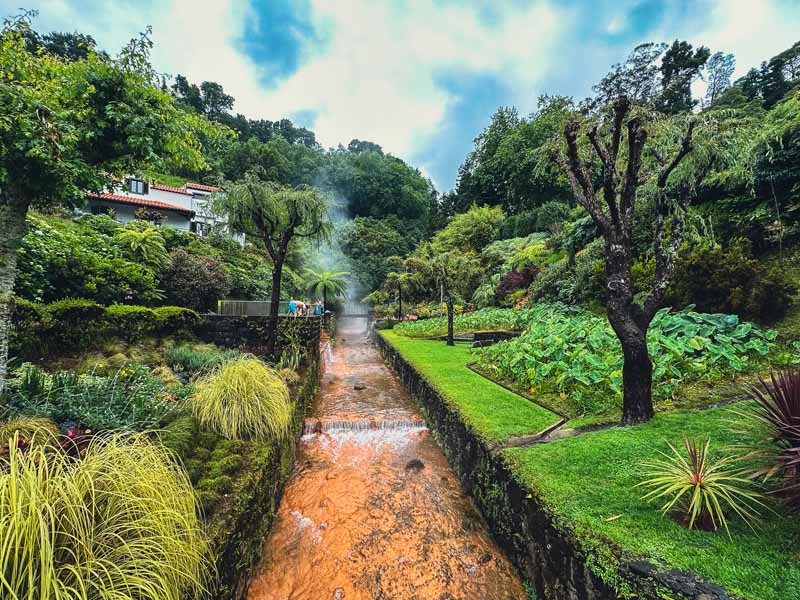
(608, 169)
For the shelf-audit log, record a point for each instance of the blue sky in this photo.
(419, 77)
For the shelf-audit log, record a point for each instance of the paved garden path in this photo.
(373, 510)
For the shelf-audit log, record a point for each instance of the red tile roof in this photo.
(200, 186)
(169, 188)
(142, 202)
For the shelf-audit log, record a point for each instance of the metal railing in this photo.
(249, 308)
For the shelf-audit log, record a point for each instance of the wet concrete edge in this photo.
(548, 555)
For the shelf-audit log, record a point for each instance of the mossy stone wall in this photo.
(238, 532)
(252, 333)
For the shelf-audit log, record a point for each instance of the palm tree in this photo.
(327, 282)
(400, 281)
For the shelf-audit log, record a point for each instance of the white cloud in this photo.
(754, 30)
(376, 78)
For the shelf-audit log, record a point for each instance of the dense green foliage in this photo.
(82, 260)
(574, 353)
(731, 281)
(129, 398)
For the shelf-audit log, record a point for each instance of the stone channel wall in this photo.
(238, 535)
(252, 333)
(238, 540)
(548, 556)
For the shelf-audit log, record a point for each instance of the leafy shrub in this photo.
(528, 257)
(570, 351)
(175, 319)
(777, 409)
(122, 523)
(130, 322)
(29, 320)
(142, 243)
(243, 398)
(485, 294)
(131, 398)
(581, 284)
(513, 281)
(60, 261)
(71, 322)
(196, 282)
(550, 216)
(519, 225)
(730, 281)
(198, 359)
(701, 488)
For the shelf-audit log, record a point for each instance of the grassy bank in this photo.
(588, 484)
(493, 412)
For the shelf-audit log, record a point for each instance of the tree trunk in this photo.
(324, 299)
(630, 323)
(637, 369)
(274, 305)
(450, 341)
(12, 229)
(399, 304)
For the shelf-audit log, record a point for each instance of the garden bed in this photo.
(567, 512)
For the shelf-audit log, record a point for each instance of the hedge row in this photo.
(69, 326)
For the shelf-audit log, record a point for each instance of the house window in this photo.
(200, 228)
(137, 186)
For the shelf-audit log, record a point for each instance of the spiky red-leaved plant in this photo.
(778, 408)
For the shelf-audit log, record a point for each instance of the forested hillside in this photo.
(742, 222)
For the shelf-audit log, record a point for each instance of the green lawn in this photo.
(589, 479)
(588, 482)
(493, 412)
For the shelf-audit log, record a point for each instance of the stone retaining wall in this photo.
(548, 556)
(241, 537)
(252, 333)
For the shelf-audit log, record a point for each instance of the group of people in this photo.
(298, 308)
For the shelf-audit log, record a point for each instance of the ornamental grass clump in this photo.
(27, 429)
(243, 399)
(119, 522)
(701, 488)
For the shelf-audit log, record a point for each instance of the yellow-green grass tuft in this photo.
(29, 428)
(243, 399)
(122, 522)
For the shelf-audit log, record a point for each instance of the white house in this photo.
(184, 208)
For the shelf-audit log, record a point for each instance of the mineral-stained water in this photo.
(373, 510)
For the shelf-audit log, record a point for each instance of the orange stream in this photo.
(357, 521)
